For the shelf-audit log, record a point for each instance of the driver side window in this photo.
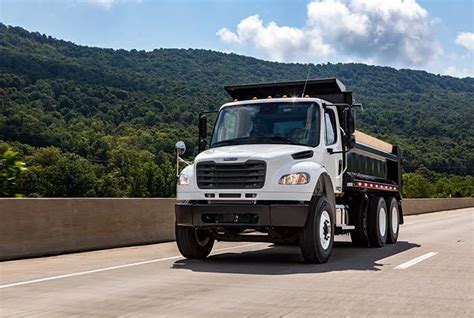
(330, 123)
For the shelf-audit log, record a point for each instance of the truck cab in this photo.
(276, 170)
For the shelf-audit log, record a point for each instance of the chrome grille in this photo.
(245, 175)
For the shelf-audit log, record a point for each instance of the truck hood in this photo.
(242, 153)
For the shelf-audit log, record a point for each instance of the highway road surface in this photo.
(429, 272)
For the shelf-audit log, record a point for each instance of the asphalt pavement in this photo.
(429, 272)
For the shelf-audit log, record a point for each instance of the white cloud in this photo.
(394, 32)
(456, 72)
(107, 4)
(281, 43)
(227, 36)
(466, 39)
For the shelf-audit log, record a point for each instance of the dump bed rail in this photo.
(373, 142)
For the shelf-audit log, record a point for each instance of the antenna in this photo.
(307, 78)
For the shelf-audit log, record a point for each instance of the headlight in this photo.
(294, 178)
(183, 179)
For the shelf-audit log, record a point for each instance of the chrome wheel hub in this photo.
(325, 229)
(382, 222)
(394, 220)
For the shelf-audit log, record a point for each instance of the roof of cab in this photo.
(273, 100)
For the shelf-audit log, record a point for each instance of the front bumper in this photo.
(251, 215)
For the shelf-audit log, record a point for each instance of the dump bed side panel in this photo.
(373, 160)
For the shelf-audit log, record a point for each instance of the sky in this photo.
(432, 35)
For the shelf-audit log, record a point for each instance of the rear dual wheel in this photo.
(358, 217)
(376, 223)
(393, 221)
(383, 221)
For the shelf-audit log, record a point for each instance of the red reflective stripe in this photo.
(376, 185)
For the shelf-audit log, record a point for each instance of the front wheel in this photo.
(317, 236)
(193, 243)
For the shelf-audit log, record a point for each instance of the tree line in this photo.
(101, 122)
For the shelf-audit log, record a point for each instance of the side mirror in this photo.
(203, 127)
(202, 133)
(349, 128)
(349, 121)
(180, 148)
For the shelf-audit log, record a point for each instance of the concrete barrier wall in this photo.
(418, 206)
(37, 227)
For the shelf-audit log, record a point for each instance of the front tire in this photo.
(316, 238)
(193, 243)
(377, 222)
(393, 221)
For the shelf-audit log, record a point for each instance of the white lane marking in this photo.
(447, 215)
(113, 267)
(416, 260)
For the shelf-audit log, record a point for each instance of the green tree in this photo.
(10, 170)
(100, 122)
(55, 174)
(416, 186)
(455, 186)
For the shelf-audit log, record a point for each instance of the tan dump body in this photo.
(372, 142)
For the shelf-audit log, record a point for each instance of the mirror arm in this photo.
(188, 163)
(181, 160)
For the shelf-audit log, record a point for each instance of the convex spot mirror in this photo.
(180, 147)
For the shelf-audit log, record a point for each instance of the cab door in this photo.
(332, 141)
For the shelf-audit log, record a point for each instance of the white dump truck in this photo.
(284, 164)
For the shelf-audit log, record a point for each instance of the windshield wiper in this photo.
(229, 142)
(256, 139)
(279, 138)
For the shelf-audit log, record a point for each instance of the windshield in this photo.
(268, 123)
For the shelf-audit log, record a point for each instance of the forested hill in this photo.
(103, 122)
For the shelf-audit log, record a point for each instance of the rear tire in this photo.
(358, 218)
(316, 238)
(377, 222)
(193, 243)
(393, 221)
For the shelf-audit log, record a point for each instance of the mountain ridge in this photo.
(63, 95)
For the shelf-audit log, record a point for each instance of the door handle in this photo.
(331, 151)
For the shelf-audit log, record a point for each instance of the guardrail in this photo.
(39, 227)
